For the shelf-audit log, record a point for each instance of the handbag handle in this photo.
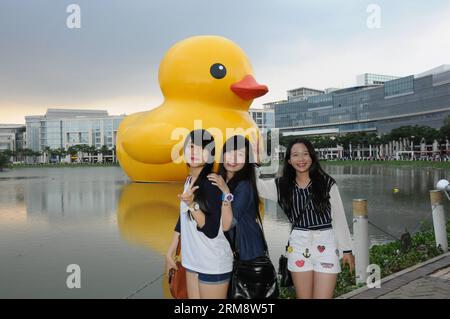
(295, 220)
(178, 251)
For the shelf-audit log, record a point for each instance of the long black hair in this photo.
(247, 173)
(205, 140)
(320, 180)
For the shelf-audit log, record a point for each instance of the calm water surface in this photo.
(118, 231)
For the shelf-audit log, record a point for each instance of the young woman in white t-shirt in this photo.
(205, 251)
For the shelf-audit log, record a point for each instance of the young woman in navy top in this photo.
(240, 208)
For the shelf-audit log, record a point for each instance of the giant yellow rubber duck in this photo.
(206, 81)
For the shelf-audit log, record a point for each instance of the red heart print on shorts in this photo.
(300, 263)
(321, 248)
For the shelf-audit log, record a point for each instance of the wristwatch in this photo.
(194, 207)
(227, 197)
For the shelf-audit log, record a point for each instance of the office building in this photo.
(410, 100)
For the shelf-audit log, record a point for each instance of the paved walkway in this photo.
(428, 280)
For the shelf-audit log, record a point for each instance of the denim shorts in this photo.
(212, 279)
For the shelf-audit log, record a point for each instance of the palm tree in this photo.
(26, 152)
(91, 150)
(83, 149)
(114, 154)
(73, 151)
(104, 150)
(35, 154)
(9, 153)
(47, 153)
(60, 152)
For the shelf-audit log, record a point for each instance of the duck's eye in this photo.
(218, 71)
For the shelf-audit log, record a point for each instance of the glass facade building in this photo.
(264, 118)
(62, 128)
(302, 93)
(373, 79)
(12, 137)
(379, 108)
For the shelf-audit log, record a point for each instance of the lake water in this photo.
(118, 232)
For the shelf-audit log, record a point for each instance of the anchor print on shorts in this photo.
(306, 254)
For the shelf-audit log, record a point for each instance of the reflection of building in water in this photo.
(72, 199)
(12, 206)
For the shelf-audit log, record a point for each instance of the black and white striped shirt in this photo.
(268, 189)
(304, 215)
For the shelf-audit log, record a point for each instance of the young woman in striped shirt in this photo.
(310, 198)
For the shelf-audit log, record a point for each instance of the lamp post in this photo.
(412, 147)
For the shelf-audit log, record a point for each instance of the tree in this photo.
(26, 152)
(47, 153)
(9, 153)
(104, 150)
(445, 129)
(85, 149)
(115, 153)
(419, 132)
(91, 150)
(35, 154)
(60, 153)
(4, 160)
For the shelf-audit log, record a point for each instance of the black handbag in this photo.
(253, 279)
(283, 271)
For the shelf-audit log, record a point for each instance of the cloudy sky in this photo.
(112, 61)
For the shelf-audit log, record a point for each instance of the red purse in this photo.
(177, 278)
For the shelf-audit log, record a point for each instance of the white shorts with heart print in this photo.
(313, 250)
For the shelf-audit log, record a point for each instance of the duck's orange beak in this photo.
(248, 88)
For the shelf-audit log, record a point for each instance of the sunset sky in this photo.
(112, 61)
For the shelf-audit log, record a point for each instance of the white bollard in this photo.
(361, 239)
(439, 220)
